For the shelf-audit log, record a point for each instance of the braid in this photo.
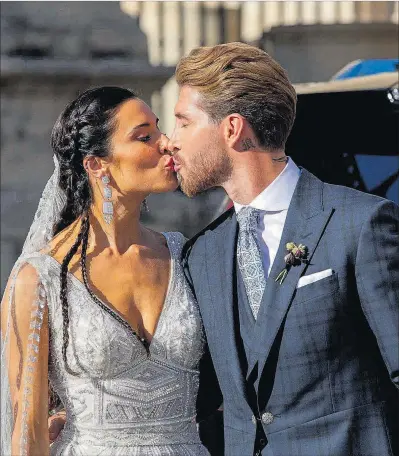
(85, 242)
(73, 178)
(85, 275)
(64, 285)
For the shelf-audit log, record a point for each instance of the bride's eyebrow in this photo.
(145, 124)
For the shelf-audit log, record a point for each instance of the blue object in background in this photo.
(366, 68)
(375, 169)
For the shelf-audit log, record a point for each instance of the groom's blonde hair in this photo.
(243, 79)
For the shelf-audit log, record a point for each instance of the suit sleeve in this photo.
(377, 277)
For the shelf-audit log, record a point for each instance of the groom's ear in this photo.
(233, 126)
(95, 166)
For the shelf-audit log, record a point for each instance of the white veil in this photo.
(40, 233)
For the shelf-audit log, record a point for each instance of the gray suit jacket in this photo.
(324, 358)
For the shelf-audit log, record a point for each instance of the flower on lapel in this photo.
(296, 255)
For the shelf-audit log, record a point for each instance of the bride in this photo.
(97, 302)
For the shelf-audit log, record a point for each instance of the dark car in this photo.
(346, 133)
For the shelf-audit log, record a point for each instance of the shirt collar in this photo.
(277, 196)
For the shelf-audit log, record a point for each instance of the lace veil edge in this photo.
(40, 233)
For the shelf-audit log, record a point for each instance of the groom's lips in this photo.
(177, 165)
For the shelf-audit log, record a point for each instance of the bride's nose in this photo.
(163, 145)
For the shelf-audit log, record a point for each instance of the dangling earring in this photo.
(144, 206)
(108, 207)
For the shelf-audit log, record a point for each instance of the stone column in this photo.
(251, 21)
(151, 24)
(291, 10)
(272, 14)
(212, 24)
(328, 12)
(232, 18)
(191, 26)
(394, 17)
(308, 14)
(171, 32)
(346, 12)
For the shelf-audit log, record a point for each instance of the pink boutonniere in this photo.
(296, 255)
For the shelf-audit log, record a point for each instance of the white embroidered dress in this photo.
(126, 400)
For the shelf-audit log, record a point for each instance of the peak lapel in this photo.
(305, 223)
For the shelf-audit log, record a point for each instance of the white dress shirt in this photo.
(273, 202)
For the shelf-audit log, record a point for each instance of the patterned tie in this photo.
(249, 257)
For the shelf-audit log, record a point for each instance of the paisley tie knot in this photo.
(248, 218)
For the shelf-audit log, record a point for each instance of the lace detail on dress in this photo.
(124, 400)
(36, 321)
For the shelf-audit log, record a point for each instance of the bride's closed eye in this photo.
(144, 138)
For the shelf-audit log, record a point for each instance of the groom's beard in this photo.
(207, 170)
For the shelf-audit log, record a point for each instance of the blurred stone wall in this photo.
(51, 51)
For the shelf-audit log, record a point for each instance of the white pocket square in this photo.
(311, 278)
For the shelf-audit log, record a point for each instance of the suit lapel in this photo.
(220, 263)
(305, 223)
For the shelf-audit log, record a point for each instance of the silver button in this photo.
(253, 419)
(267, 418)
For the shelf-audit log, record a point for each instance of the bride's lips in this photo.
(170, 164)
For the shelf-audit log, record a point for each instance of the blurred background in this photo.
(50, 51)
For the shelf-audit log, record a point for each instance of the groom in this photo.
(298, 283)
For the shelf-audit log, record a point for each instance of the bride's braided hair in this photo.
(83, 129)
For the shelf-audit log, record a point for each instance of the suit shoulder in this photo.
(339, 195)
(214, 225)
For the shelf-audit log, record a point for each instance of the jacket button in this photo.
(267, 418)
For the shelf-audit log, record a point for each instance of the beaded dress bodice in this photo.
(126, 399)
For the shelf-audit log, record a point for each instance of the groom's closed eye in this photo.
(184, 120)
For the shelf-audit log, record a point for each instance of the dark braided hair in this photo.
(83, 129)
(63, 294)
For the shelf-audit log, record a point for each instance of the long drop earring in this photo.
(108, 207)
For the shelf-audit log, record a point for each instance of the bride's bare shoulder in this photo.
(62, 242)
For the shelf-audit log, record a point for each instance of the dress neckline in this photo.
(115, 313)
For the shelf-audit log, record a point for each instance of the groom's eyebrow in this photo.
(179, 115)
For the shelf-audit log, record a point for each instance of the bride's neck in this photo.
(123, 231)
